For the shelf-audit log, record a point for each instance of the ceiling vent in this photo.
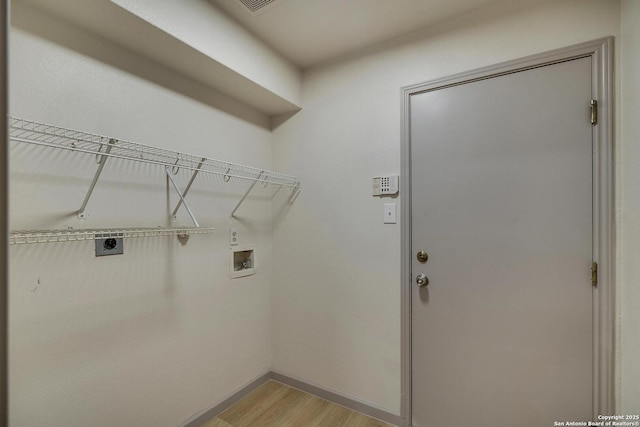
(258, 6)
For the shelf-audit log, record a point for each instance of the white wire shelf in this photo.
(73, 235)
(32, 132)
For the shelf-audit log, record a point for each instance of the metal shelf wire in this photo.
(103, 147)
(32, 132)
(73, 235)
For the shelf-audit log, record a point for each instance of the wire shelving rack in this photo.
(104, 147)
(75, 235)
(32, 132)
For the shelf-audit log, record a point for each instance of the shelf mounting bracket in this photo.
(186, 190)
(184, 202)
(246, 194)
(101, 162)
(294, 193)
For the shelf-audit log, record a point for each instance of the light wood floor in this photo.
(277, 405)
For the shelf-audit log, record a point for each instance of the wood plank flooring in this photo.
(277, 405)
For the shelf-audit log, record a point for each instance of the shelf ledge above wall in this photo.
(270, 85)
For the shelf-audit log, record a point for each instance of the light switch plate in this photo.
(390, 213)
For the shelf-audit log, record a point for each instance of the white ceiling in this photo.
(311, 31)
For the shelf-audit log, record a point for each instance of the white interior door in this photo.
(501, 196)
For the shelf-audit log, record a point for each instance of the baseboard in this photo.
(338, 398)
(332, 396)
(213, 411)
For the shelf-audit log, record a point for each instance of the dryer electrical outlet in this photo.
(109, 246)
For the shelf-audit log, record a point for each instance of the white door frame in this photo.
(601, 52)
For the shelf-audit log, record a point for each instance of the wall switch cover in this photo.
(390, 213)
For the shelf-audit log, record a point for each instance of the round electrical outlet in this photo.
(110, 244)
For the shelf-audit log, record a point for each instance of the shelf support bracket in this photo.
(175, 187)
(294, 193)
(246, 194)
(186, 190)
(103, 160)
(277, 191)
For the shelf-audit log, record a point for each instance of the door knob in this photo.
(422, 280)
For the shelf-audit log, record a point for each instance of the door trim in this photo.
(601, 52)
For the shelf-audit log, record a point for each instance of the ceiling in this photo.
(311, 31)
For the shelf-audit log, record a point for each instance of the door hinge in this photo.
(594, 111)
(594, 273)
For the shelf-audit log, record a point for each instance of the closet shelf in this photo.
(73, 235)
(102, 146)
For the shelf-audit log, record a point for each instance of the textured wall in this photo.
(151, 337)
(336, 297)
(156, 335)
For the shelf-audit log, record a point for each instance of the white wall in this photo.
(156, 335)
(336, 281)
(151, 337)
(629, 205)
(202, 26)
